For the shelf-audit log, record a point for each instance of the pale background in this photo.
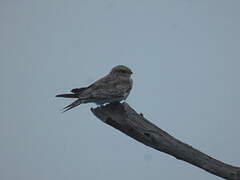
(185, 58)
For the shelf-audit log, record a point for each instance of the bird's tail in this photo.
(67, 95)
(74, 104)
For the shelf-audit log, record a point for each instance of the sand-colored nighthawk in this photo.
(114, 87)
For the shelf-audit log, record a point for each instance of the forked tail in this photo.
(74, 104)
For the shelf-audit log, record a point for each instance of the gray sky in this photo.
(185, 58)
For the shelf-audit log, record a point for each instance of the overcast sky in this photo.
(185, 59)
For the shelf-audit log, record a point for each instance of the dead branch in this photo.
(122, 117)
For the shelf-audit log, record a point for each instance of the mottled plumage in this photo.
(116, 86)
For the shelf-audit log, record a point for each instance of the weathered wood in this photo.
(122, 117)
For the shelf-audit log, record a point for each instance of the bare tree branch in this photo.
(125, 119)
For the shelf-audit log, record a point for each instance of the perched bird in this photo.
(114, 87)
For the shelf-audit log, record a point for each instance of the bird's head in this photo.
(121, 71)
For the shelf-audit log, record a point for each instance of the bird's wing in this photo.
(95, 85)
(108, 88)
(101, 83)
(110, 93)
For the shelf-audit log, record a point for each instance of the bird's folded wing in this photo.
(107, 88)
(112, 93)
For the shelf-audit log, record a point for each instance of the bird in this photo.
(114, 87)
